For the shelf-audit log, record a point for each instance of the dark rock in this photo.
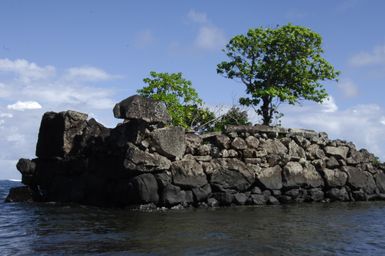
(338, 194)
(257, 128)
(231, 173)
(295, 151)
(274, 147)
(240, 198)
(224, 198)
(380, 181)
(315, 152)
(141, 108)
(169, 141)
(315, 195)
(355, 157)
(295, 175)
(334, 178)
(202, 193)
(222, 141)
(238, 144)
(189, 197)
(172, 195)
(272, 200)
(57, 132)
(339, 152)
(331, 163)
(256, 190)
(188, 173)
(193, 141)
(270, 178)
(273, 159)
(358, 178)
(65, 189)
(212, 202)
(91, 139)
(141, 161)
(20, 194)
(204, 150)
(26, 166)
(163, 179)
(359, 195)
(257, 199)
(252, 142)
(146, 188)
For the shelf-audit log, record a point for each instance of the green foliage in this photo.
(235, 116)
(181, 99)
(376, 161)
(277, 65)
(201, 119)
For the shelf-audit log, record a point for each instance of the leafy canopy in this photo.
(181, 99)
(277, 65)
(235, 116)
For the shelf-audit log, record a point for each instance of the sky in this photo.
(88, 55)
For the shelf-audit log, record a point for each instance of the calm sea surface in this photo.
(308, 229)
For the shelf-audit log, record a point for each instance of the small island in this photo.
(147, 162)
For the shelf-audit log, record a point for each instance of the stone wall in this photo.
(144, 160)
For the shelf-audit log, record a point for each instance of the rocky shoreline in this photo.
(145, 161)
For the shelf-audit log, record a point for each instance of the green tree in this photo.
(235, 116)
(277, 65)
(181, 99)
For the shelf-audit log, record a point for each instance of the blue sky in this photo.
(87, 55)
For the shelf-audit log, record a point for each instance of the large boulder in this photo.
(232, 174)
(57, 132)
(145, 188)
(26, 166)
(188, 173)
(334, 178)
(274, 147)
(172, 195)
(380, 181)
(339, 152)
(270, 178)
(142, 161)
(170, 141)
(296, 175)
(296, 152)
(20, 194)
(358, 179)
(141, 108)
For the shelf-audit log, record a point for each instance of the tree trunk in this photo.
(265, 109)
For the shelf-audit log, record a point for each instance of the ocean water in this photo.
(306, 229)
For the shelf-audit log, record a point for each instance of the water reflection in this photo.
(308, 229)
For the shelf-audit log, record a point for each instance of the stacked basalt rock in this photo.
(146, 161)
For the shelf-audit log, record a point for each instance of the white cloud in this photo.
(74, 95)
(4, 92)
(362, 124)
(87, 73)
(210, 38)
(329, 105)
(198, 17)
(25, 70)
(348, 88)
(144, 38)
(24, 105)
(375, 57)
(6, 115)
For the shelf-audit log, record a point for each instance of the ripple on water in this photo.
(310, 229)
